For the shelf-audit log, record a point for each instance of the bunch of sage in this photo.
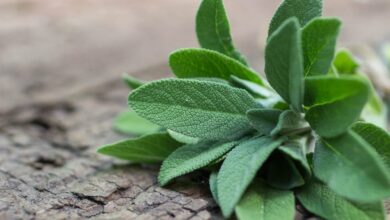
(311, 131)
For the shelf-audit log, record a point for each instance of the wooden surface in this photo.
(60, 68)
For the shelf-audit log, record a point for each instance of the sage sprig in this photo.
(312, 129)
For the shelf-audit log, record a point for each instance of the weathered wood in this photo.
(49, 168)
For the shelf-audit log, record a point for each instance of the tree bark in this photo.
(50, 170)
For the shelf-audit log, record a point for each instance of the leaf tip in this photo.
(103, 149)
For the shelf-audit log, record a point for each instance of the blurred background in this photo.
(50, 48)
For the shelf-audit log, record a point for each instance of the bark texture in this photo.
(49, 168)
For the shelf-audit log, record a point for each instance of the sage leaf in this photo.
(303, 10)
(265, 203)
(334, 103)
(264, 120)
(289, 122)
(213, 30)
(129, 122)
(194, 108)
(182, 138)
(254, 89)
(378, 138)
(151, 148)
(213, 185)
(347, 164)
(282, 173)
(296, 151)
(319, 42)
(284, 63)
(211, 79)
(322, 201)
(192, 62)
(131, 81)
(375, 110)
(345, 63)
(239, 169)
(191, 157)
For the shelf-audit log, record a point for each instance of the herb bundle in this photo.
(312, 131)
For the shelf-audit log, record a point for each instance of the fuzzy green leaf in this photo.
(322, 201)
(345, 63)
(375, 111)
(152, 148)
(319, 42)
(213, 185)
(194, 108)
(303, 10)
(289, 122)
(213, 30)
(378, 138)
(264, 120)
(239, 169)
(284, 63)
(253, 88)
(334, 103)
(131, 81)
(347, 164)
(129, 122)
(183, 138)
(261, 202)
(282, 173)
(296, 151)
(191, 157)
(192, 62)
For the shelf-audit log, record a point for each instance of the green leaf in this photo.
(152, 148)
(191, 157)
(254, 89)
(264, 120)
(345, 63)
(282, 173)
(284, 63)
(375, 110)
(371, 115)
(190, 63)
(319, 42)
(386, 53)
(273, 102)
(211, 79)
(378, 138)
(334, 103)
(375, 101)
(265, 203)
(347, 164)
(129, 122)
(183, 138)
(194, 108)
(290, 122)
(296, 151)
(213, 31)
(322, 201)
(131, 81)
(303, 10)
(213, 185)
(239, 169)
